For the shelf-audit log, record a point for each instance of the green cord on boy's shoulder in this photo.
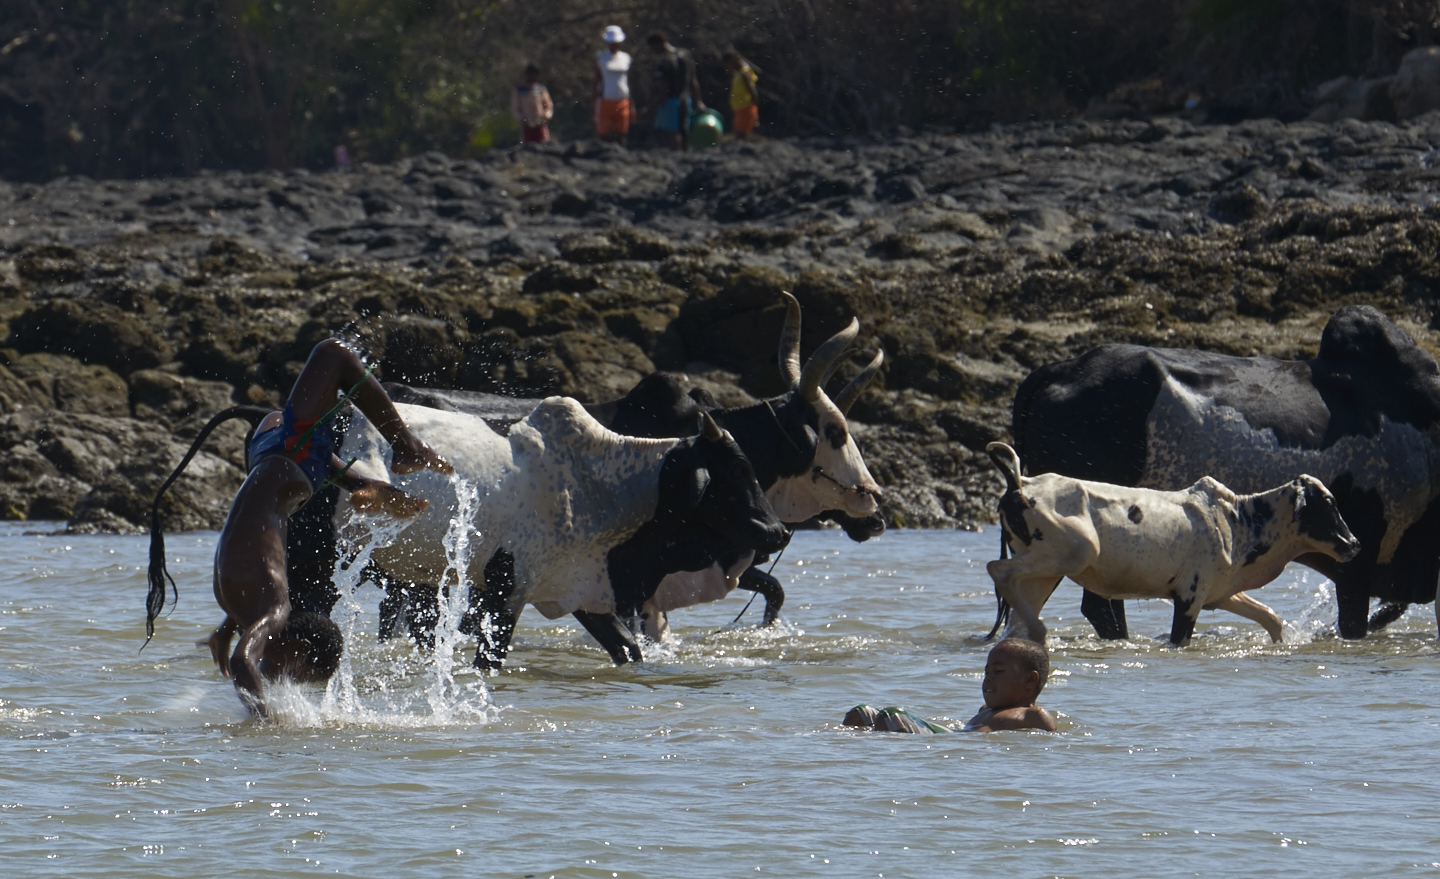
(303, 439)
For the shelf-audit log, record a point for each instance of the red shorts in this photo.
(537, 134)
(612, 117)
(746, 119)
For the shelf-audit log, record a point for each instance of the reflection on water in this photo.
(722, 754)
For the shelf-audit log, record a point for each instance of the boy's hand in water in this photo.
(371, 496)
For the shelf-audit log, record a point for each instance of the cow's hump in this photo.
(1368, 367)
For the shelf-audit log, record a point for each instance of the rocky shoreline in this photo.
(133, 310)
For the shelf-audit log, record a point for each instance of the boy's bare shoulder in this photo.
(1022, 717)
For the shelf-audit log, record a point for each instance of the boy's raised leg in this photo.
(334, 369)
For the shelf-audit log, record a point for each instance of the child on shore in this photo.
(291, 460)
(744, 97)
(531, 105)
(1015, 673)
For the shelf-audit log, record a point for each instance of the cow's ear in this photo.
(1302, 489)
(694, 488)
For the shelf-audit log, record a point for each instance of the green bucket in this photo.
(706, 126)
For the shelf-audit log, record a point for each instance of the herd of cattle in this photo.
(1151, 473)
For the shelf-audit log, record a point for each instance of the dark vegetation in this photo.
(154, 87)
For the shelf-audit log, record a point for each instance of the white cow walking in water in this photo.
(1202, 547)
(557, 494)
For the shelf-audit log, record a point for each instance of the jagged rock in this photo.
(93, 332)
(170, 399)
(560, 277)
(612, 244)
(1239, 203)
(60, 382)
(601, 367)
(1416, 87)
(51, 496)
(24, 463)
(50, 263)
(60, 465)
(1350, 98)
(422, 350)
(546, 315)
(184, 404)
(16, 394)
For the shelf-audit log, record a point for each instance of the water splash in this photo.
(382, 685)
(448, 699)
(1317, 620)
(357, 542)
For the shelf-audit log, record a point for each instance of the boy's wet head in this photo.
(532, 74)
(1015, 673)
(307, 650)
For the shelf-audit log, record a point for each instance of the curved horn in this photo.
(852, 391)
(829, 373)
(710, 428)
(824, 356)
(790, 342)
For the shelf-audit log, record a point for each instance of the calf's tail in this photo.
(1009, 464)
(158, 575)
(1002, 607)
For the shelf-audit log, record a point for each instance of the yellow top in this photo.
(739, 94)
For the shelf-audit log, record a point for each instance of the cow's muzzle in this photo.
(1347, 550)
(858, 500)
(771, 537)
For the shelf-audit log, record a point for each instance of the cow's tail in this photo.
(1002, 607)
(158, 575)
(1008, 462)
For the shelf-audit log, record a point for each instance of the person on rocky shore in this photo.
(531, 105)
(290, 461)
(744, 97)
(676, 80)
(612, 87)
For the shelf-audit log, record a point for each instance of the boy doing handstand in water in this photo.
(1015, 673)
(291, 459)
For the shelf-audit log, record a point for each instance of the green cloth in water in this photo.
(894, 719)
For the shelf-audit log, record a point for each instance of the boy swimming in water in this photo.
(291, 459)
(1015, 673)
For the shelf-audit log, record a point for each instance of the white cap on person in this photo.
(613, 34)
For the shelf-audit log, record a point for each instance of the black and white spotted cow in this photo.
(1202, 547)
(555, 496)
(1363, 417)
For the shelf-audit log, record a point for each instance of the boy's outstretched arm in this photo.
(245, 662)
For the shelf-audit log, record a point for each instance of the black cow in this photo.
(1363, 417)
